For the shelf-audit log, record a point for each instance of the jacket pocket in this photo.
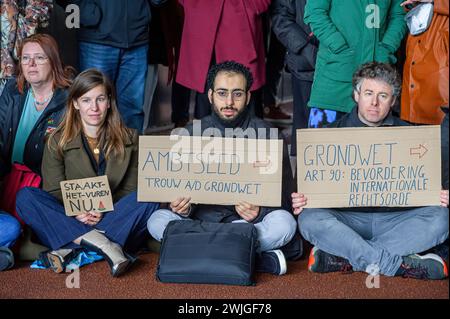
(91, 14)
(340, 67)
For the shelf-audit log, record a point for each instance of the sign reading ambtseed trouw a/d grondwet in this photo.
(364, 167)
(220, 171)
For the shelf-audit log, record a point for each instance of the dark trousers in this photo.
(126, 225)
(301, 91)
(181, 97)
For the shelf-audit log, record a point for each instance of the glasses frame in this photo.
(232, 94)
(34, 58)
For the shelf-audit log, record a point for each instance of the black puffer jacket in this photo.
(295, 35)
(220, 213)
(11, 107)
(118, 23)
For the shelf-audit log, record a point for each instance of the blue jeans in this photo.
(381, 239)
(275, 230)
(9, 230)
(127, 69)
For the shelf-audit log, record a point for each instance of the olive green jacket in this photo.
(75, 164)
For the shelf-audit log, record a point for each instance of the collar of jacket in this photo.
(115, 168)
(78, 143)
(356, 122)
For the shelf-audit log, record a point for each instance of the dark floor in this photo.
(140, 283)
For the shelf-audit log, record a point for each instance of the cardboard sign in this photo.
(370, 167)
(221, 171)
(87, 194)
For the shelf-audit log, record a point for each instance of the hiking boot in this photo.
(276, 115)
(322, 262)
(429, 266)
(271, 261)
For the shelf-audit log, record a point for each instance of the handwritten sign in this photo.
(221, 171)
(369, 167)
(87, 194)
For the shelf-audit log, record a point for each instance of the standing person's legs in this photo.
(130, 85)
(301, 91)
(102, 57)
(181, 96)
(150, 88)
(274, 70)
(202, 105)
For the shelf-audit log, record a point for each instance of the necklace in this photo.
(93, 144)
(38, 104)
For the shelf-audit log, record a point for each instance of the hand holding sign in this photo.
(444, 198)
(181, 205)
(299, 201)
(247, 211)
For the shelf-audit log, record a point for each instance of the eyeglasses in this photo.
(236, 95)
(38, 59)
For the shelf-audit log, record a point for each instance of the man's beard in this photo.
(224, 118)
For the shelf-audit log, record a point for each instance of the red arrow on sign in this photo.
(421, 150)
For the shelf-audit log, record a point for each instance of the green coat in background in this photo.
(351, 33)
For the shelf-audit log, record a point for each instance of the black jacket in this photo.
(11, 107)
(352, 120)
(294, 34)
(118, 23)
(219, 213)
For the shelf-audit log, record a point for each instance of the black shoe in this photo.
(321, 262)
(6, 259)
(429, 266)
(441, 250)
(293, 250)
(271, 261)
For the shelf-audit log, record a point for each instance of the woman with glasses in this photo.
(31, 106)
(91, 141)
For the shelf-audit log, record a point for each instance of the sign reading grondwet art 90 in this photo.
(369, 167)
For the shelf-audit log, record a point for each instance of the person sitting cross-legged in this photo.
(368, 239)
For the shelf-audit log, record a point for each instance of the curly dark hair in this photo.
(229, 66)
(378, 71)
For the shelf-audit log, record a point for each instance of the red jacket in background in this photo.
(230, 28)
